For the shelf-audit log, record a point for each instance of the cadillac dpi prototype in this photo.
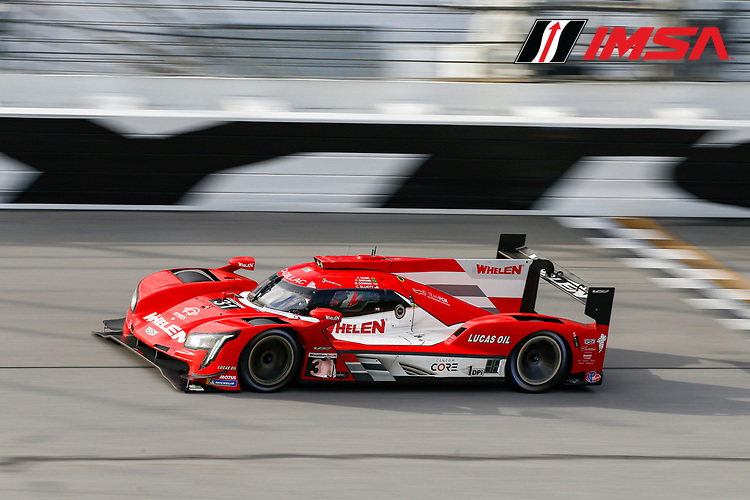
(366, 318)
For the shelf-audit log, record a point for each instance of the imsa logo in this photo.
(551, 41)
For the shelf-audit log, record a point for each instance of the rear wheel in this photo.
(538, 362)
(269, 361)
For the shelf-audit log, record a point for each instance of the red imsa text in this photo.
(666, 37)
(369, 327)
(499, 270)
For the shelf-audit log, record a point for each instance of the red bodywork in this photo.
(469, 332)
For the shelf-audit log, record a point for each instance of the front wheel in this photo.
(538, 362)
(269, 361)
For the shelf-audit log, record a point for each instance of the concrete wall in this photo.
(576, 149)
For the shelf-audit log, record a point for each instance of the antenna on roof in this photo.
(374, 251)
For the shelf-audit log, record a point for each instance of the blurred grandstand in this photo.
(465, 40)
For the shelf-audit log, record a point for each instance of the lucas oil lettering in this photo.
(490, 339)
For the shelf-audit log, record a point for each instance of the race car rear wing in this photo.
(598, 300)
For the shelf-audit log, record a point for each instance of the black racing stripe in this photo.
(362, 377)
(460, 290)
(719, 174)
(374, 367)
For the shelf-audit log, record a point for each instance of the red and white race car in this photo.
(366, 318)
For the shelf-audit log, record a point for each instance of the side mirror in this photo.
(326, 317)
(239, 263)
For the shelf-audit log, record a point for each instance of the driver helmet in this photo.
(339, 298)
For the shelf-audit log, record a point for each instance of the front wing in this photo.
(175, 371)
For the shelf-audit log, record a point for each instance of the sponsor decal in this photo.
(602, 342)
(665, 37)
(311, 285)
(589, 341)
(550, 41)
(482, 269)
(431, 295)
(227, 367)
(321, 348)
(444, 365)
(150, 331)
(222, 383)
(477, 372)
(191, 311)
(592, 377)
(570, 286)
(365, 282)
(489, 339)
(307, 269)
(173, 331)
(322, 365)
(367, 327)
(288, 276)
(228, 377)
(325, 280)
(179, 315)
(226, 303)
(194, 387)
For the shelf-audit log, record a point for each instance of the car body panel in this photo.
(390, 318)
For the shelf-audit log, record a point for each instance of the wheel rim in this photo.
(270, 360)
(539, 360)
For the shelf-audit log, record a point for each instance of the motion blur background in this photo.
(139, 135)
(346, 39)
(335, 105)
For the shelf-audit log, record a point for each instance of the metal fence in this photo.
(363, 39)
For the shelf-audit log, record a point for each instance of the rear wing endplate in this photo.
(598, 300)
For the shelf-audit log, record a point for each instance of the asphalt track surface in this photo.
(82, 417)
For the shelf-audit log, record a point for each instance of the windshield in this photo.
(275, 293)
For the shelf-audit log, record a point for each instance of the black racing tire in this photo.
(538, 362)
(269, 361)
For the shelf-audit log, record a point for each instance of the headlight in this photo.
(134, 299)
(209, 342)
